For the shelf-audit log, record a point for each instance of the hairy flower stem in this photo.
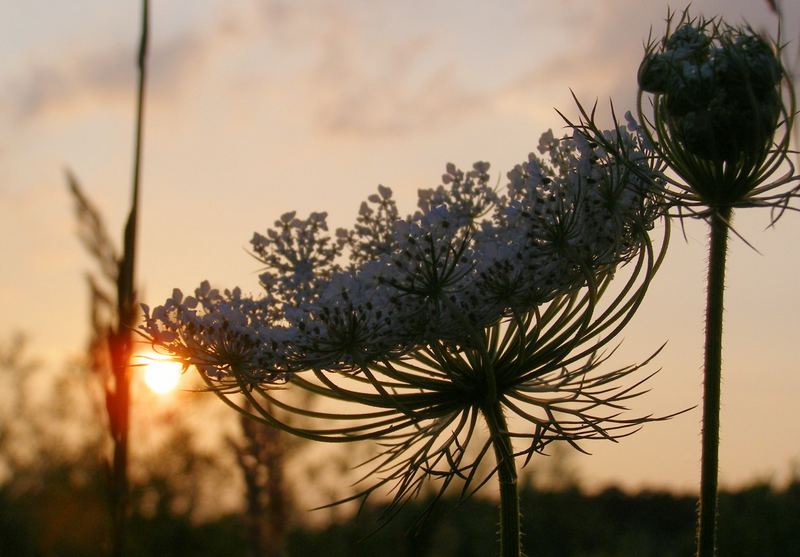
(707, 514)
(510, 535)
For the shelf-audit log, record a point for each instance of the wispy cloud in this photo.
(361, 69)
(368, 79)
(358, 72)
(399, 92)
(81, 79)
(363, 78)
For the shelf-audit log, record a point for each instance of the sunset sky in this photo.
(256, 108)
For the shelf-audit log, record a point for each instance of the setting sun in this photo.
(160, 375)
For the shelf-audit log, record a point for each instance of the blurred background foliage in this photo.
(53, 496)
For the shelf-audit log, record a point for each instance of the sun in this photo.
(161, 375)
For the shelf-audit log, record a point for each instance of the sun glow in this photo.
(161, 375)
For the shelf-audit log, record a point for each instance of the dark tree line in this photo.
(64, 516)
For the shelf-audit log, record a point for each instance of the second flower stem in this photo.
(510, 534)
(707, 517)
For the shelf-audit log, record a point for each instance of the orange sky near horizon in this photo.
(258, 108)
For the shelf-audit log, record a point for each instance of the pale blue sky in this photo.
(257, 108)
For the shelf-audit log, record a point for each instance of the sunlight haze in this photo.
(259, 108)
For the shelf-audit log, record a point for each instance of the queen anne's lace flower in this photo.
(466, 196)
(481, 303)
(298, 255)
(217, 332)
(373, 234)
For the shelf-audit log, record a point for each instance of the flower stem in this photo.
(707, 514)
(510, 535)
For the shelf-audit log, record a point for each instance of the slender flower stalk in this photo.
(717, 110)
(114, 310)
(485, 311)
(121, 339)
(510, 534)
(707, 512)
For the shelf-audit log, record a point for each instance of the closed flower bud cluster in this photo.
(720, 88)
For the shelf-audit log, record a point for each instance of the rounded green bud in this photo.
(719, 93)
